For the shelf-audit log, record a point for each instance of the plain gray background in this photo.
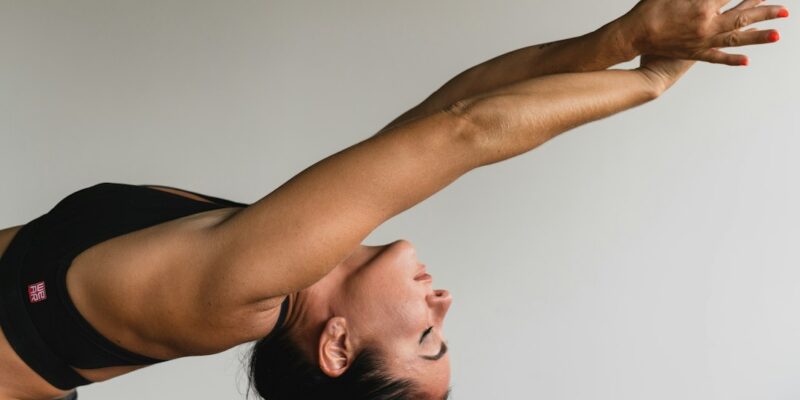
(651, 255)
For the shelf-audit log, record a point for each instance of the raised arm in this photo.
(294, 236)
(678, 29)
(594, 51)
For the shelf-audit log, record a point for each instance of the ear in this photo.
(335, 347)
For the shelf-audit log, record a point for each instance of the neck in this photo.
(308, 311)
(310, 308)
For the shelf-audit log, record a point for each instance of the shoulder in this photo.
(153, 289)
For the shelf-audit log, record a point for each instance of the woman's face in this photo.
(391, 305)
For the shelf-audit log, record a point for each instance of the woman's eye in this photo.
(427, 331)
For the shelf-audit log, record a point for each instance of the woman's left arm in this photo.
(686, 29)
(595, 51)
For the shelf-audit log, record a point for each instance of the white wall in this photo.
(652, 255)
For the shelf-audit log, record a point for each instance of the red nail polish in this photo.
(783, 13)
(774, 36)
(745, 61)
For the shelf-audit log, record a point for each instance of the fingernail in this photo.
(774, 36)
(783, 13)
(745, 61)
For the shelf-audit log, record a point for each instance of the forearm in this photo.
(517, 118)
(298, 233)
(594, 51)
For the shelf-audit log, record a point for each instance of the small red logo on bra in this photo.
(36, 292)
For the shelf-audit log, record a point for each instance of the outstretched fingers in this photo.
(730, 25)
(716, 56)
(745, 38)
(720, 57)
(745, 4)
(737, 19)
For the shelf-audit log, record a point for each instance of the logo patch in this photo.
(36, 292)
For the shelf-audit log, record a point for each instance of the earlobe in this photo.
(335, 347)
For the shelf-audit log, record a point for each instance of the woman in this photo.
(116, 277)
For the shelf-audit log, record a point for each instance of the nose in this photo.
(440, 300)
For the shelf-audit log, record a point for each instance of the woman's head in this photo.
(370, 329)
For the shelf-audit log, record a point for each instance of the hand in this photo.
(663, 72)
(694, 29)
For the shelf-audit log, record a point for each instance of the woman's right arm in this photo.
(693, 30)
(518, 118)
(298, 233)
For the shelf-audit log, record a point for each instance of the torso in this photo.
(89, 272)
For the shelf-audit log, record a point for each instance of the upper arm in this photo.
(296, 234)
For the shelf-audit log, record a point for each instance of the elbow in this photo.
(461, 118)
(467, 126)
(461, 137)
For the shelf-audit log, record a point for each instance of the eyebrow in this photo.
(441, 353)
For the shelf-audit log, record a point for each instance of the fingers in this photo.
(745, 5)
(745, 38)
(720, 57)
(733, 20)
(730, 22)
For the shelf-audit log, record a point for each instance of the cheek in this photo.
(387, 300)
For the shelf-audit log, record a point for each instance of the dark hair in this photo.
(280, 371)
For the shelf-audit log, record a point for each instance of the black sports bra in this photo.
(38, 317)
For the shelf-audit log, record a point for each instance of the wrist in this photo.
(624, 37)
(655, 82)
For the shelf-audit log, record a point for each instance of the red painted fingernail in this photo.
(783, 13)
(745, 61)
(774, 36)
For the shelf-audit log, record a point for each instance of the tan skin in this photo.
(225, 272)
(18, 381)
(341, 313)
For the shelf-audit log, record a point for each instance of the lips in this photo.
(422, 274)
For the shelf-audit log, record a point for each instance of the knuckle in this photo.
(704, 29)
(733, 40)
(704, 19)
(701, 31)
(707, 14)
(741, 21)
